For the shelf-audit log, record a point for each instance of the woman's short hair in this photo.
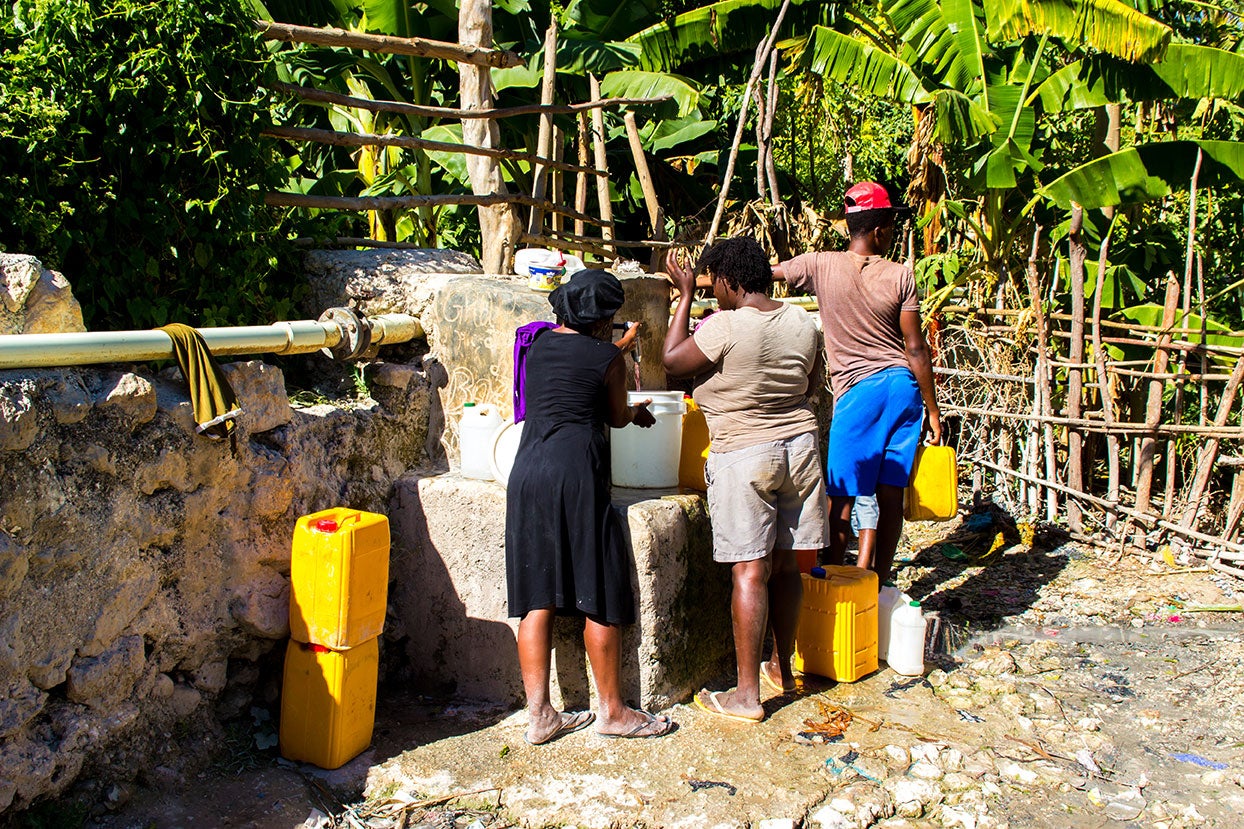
(741, 261)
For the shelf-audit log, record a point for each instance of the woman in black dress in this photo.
(565, 551)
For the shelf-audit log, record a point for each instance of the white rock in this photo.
(911, 796)
(776, 823)
(925, 770)
(830, 818)
(1017, 773)
(957, 782)
(925, 751)
(951, 760)
(955, 817)
(1216, 777)
(897, 756)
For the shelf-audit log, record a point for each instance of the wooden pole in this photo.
(1209, 452)
(744, 108)
(1103, 378)
(559, 178)
(1041, 377)
(656, 216)
(310, 93)
(1172, 469)
(391, 202)
(464, 52)
(761, 113)
(770, 116)
(598, 144)
(1077, 253)
(580, 184)
(353, 139)
(545, 138)
(1153, 405)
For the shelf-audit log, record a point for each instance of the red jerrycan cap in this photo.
(324, 525)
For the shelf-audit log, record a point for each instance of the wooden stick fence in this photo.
(1023, 424)
(546, 166)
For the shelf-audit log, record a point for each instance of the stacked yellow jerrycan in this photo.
(837, 633)
(339, 580)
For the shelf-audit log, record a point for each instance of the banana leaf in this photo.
(1150, 171)
(1109, 26)
(1187, 71)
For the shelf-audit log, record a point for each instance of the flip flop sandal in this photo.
(570, 724)
(718, 710)
(770, 684)
(666, 727)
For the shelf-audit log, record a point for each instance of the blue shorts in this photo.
(874, 434)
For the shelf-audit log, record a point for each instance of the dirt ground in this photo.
(1065, 689)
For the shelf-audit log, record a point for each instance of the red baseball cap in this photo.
(869, 195)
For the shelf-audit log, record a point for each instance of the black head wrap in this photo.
(590, 296)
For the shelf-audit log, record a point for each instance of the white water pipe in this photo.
(296, 337)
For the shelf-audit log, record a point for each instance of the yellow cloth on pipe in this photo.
(212, 398)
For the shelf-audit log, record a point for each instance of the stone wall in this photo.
(144, 569)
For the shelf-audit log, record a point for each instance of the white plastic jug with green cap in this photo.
(907, 631)
(476, 430)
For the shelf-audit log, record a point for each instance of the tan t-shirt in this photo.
(860, 298)
(758, 389)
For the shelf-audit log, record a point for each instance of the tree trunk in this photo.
(498, 224)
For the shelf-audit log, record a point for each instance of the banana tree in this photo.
(969, 69)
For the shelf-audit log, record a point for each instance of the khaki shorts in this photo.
(767, 497)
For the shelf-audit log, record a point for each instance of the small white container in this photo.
(907, 631)
(649, 458)
(889, 600)
(476, 430)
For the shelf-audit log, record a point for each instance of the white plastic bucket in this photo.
(648, 458)
(476, 429)
(504, 449)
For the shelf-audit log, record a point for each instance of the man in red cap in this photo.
(879, 369)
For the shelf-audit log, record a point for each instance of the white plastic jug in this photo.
(475, 433)
(648, 458)
(889, 600)
(907, 630)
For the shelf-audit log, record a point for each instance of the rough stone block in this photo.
(14, 562)
(34, 300)
(381, 281)
(104, 680)
(260, 389)
(449, 596)
(470, 328)
(19, 422)
(130, 397)
(120, 606)
(262, 606)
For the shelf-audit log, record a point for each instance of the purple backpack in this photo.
(523, 339)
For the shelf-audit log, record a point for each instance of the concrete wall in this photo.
(144, 568)
(449, 596)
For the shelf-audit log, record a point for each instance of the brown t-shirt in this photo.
(757, 391)
(860, 298)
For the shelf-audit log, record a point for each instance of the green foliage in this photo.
(130, 160)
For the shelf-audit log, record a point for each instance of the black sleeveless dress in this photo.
(565, 546)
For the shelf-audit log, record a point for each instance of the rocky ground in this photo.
(1067, 688)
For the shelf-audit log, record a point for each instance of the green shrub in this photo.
(130, 159)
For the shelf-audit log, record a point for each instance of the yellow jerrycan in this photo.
(695, 448)
(339, 578)
(328, 702)
(933, 493)
(837, 633)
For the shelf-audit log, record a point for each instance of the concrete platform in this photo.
(448, 602)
